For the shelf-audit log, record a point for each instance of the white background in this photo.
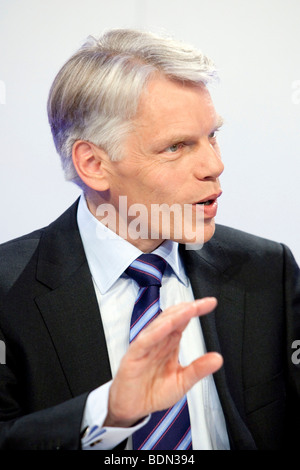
(255, 45)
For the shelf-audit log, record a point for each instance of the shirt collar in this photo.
(108, 255)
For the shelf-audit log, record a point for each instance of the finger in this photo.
(173, 319)
(177, 317)
(163, 326)
(201, 306)
(200, 368)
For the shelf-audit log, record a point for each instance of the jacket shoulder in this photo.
(15, 256)
(239, 241)
(233, 247)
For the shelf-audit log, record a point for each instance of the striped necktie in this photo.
(168, 429)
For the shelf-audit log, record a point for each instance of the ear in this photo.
(88, 160)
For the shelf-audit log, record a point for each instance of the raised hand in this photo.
(150, 377)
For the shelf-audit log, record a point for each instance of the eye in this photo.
(213, 138)
(175, 147)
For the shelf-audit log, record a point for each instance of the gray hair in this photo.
(95, 95)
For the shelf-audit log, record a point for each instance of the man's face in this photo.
(171, 157)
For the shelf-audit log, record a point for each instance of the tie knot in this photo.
(147, 270)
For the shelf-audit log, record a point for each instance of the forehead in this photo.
(169, 105)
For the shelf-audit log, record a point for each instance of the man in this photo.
(132, 118)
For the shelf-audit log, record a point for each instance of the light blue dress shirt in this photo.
(108, 256)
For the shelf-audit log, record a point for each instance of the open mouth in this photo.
(209, 200)
(206, 203)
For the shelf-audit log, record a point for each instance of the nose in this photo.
(209, 165)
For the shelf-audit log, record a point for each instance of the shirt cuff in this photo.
(95, 436)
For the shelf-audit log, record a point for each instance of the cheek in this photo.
(173, 184)
(150, 178)
(149, 181)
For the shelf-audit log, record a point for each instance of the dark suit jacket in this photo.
(56, 352)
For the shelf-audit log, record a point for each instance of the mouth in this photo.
(208, 206)
(209, 200)
(206, 203)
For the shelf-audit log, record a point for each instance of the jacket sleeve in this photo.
(54, 428)
(292, 298)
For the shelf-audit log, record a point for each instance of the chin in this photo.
(206, 233)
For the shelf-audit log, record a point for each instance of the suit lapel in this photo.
(223, 331)
(70, 309)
